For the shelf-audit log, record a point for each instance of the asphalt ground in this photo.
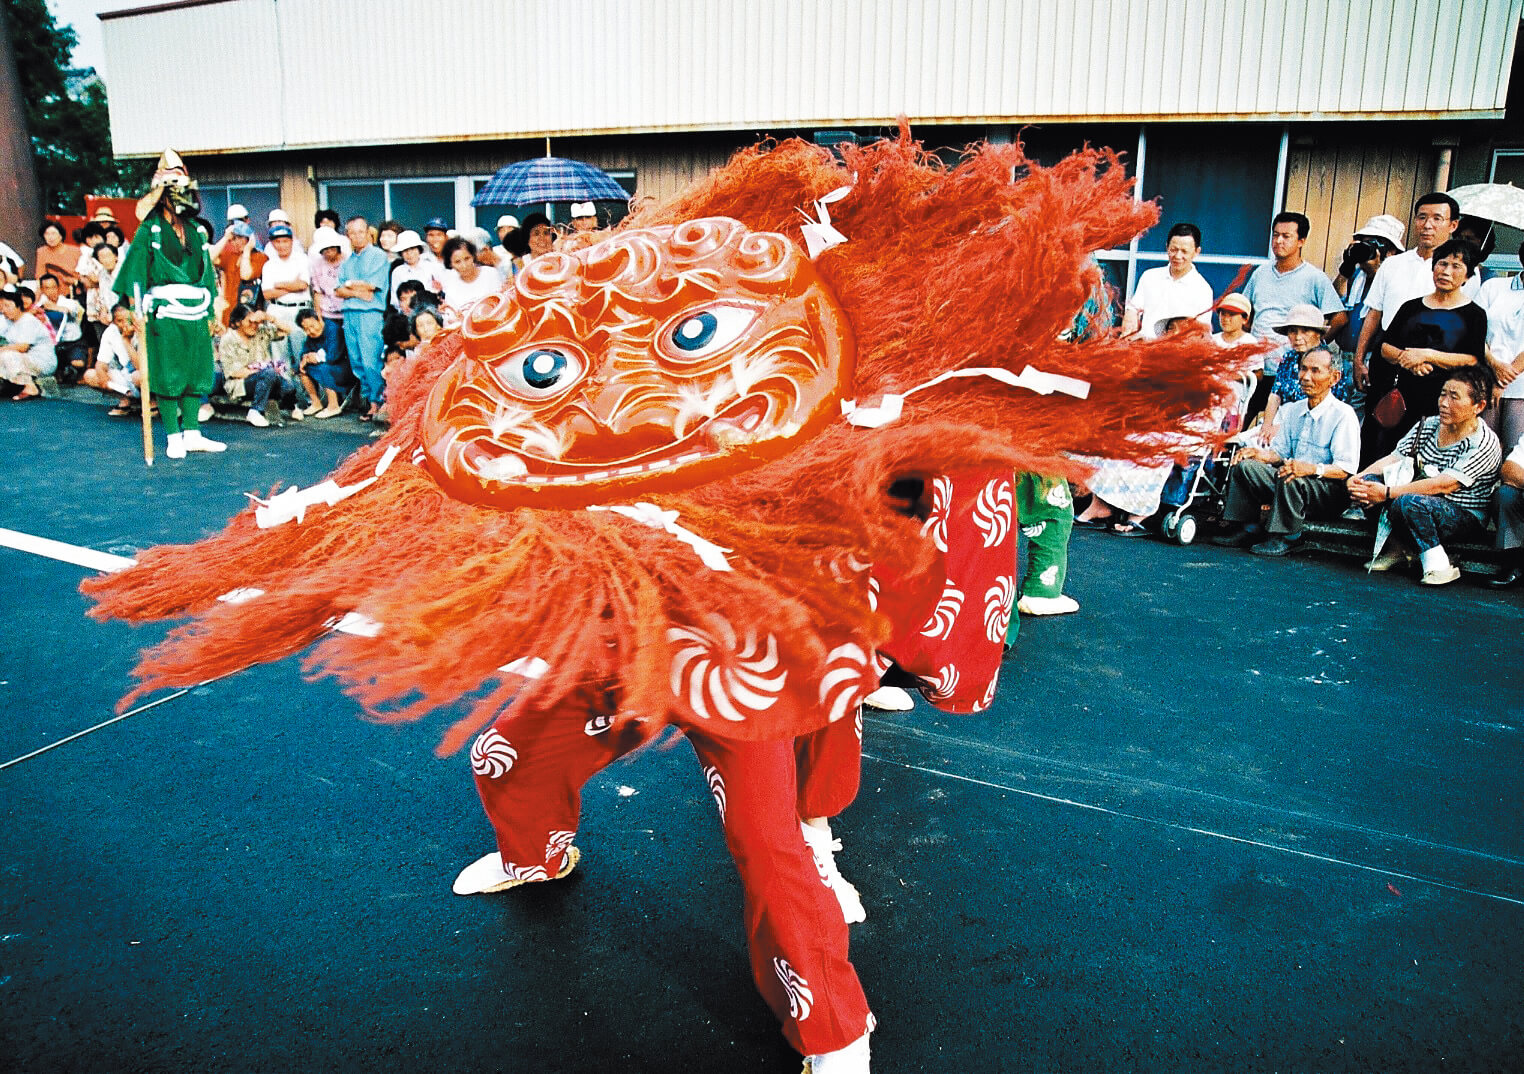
(1235, 815)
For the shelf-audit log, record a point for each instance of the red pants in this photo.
(530, 768)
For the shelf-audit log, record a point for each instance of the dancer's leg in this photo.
(797, 937)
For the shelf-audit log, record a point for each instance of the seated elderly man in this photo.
(1511, 519)
(1302, 473)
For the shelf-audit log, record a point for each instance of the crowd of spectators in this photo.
(1387, 396)
(1389, 393)
(309, 330)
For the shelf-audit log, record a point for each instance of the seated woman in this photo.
(1429, 339)
(26, 347)
(1455, 459)
(118, 368)
(245, 355)
(1303, 330)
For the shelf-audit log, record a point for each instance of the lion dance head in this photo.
(658, 359)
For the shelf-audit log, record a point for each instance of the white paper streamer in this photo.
(530, 667)
(649, 514)
(292, 503)
(891, 406)
(819, 234)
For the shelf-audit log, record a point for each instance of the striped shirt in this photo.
(1474, 461)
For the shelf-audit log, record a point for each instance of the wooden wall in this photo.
(1340, 184)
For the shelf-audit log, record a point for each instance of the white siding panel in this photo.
(365, 72)
(173, 89)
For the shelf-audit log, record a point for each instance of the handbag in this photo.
(1389, 410)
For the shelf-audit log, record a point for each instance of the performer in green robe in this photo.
(168, 276)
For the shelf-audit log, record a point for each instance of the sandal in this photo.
(1128, 528)
(1095, 523)
(121, 410)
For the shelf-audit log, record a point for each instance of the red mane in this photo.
(945, 267)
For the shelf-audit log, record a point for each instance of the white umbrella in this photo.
(1502, 203)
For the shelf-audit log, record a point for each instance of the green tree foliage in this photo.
(71, 135)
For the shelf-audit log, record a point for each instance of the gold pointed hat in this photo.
(170, 171)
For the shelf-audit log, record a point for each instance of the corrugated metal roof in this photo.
(305, 73)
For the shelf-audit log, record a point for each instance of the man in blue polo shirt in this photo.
(1290, 281)
(363, 281)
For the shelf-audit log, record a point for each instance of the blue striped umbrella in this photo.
(549, 179)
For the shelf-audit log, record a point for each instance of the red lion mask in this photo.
(654, 360)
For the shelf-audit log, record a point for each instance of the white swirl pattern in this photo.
(716, 788)
(525, 873)
(725, 676)
(491, 755)
(555, 850)
(597, 725)
(998, 601)
(842, 687)
(989, 694)
(945, 683)
(992, 511)
(800, 999)
(941, 503)
(873, 589)
(949, 604)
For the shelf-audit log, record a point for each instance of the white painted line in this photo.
(1275, 847)
(67, 553)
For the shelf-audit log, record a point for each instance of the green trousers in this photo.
(1046, 511)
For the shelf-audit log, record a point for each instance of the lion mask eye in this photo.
(541, 372)
(699, 333)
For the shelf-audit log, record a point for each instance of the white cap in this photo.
(582, 208)
(507, 221)
(237, 212)
(278, 216)
(408, 240)
(324, 237)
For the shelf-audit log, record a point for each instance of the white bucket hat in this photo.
(409, 240)
(1384, 227)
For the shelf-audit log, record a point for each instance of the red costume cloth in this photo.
(530, 767)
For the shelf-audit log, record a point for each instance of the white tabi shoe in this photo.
(890, 699)
(486, 874)
(853, 1059)
(824, 848)
(1059, 605)
(206, 413)
(175, 449)
(194, 441)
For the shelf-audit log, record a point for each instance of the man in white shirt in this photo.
(286, 282)
(1302, 473)
(1407, 276)
(1503, 300)
(280, 216)
(1170, 291)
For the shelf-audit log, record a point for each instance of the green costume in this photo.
(1046, 511)
(179, 337)
(168, 278)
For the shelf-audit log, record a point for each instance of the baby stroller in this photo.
(1198, 488)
